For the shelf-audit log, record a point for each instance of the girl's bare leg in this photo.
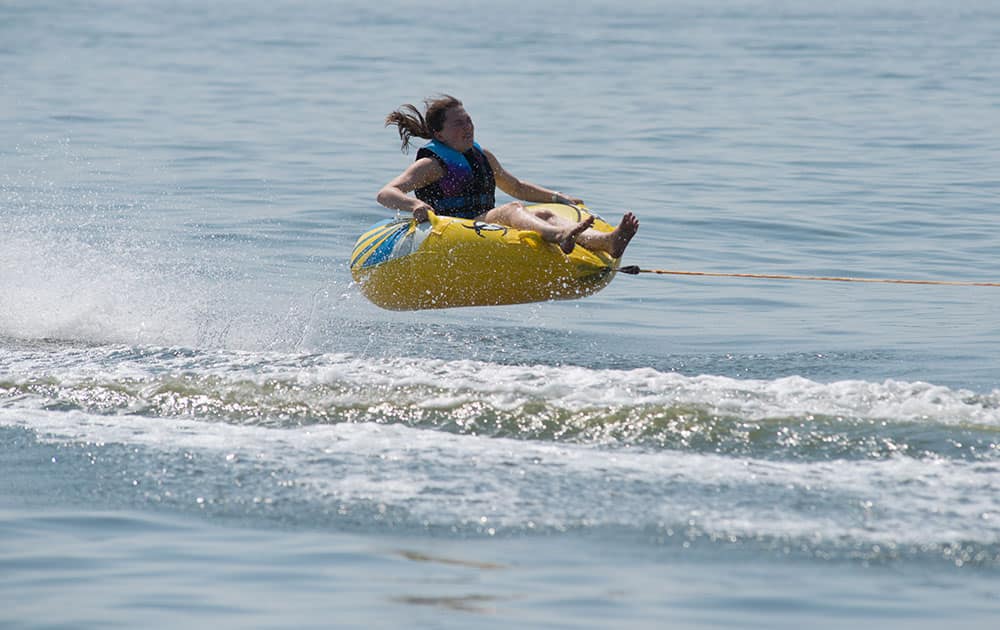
(614, 242)
(562, 232)
(566, 233)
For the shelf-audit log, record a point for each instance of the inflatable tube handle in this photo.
(437, 225)
(528, 237)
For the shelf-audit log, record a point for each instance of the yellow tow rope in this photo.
(635, 270)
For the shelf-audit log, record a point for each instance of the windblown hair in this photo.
(412, 124)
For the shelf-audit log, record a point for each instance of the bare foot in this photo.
(567, 238)
(622, 234)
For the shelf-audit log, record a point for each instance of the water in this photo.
(203, 421)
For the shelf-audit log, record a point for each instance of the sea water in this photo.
(202, 422)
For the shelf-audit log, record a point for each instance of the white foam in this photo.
(329, 379)
(446, 480)
(489, 483)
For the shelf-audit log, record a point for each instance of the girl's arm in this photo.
(526, 191)
(395, 194)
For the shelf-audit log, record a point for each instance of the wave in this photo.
(369, 477)
(786, 418)
(843, 470)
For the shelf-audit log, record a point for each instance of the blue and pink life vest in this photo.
(468, 187)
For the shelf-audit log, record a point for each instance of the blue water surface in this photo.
(202, 421)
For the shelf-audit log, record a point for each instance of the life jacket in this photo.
(468, 187)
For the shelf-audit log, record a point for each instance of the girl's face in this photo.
(458, 131)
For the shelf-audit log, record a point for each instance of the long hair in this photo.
(412, 124)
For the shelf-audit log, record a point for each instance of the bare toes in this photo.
(623, 234)
(568, 242)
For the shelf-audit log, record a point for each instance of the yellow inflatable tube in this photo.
(448, 262)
